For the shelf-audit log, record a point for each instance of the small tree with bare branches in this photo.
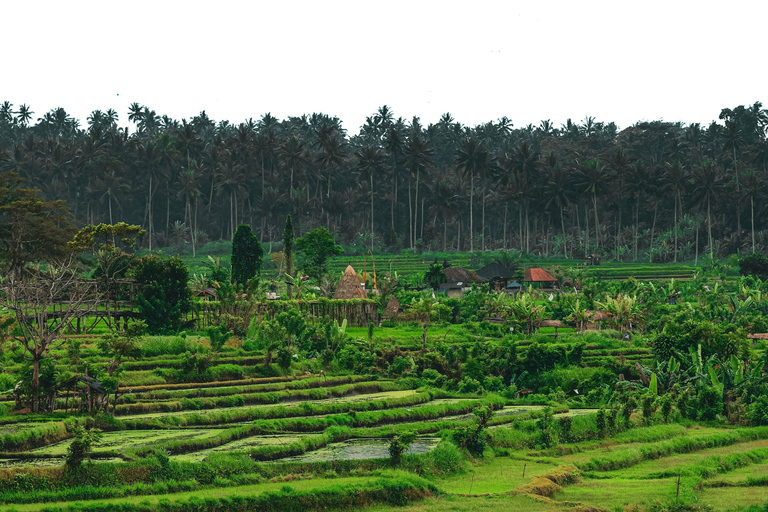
(45, 301)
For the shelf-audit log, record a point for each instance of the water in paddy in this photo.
(358, 449)
(240, 445)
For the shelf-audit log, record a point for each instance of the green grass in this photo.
(220, 492)
(497, 475)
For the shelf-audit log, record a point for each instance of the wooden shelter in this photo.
(594, 318)
(539, 275)
(551, 323)
(459, 280)
(349, 286)
(497, 275)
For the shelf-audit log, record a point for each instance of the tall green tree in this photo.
(314, 249)
(474, 160)
(163, 294)
(247, 254)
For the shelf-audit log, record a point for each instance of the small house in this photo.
(459, 280)
(497, 275)
(514, 287)
(541, 276)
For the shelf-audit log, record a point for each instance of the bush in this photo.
(709, 403)
(81, 446)
(469, 385)
(164, 294)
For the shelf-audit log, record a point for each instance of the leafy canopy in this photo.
(247, 254)
(314, 249)
(163, 292)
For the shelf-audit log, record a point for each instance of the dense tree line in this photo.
(657, 189)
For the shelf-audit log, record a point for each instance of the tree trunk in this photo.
(696, 262)
(597, 222)
(565, 239)
(416, 207)
(653, 228)
(709, 229)
(421, 228)
(752, 205)
(586, 228)
(675, 228)
(483, 218)
(637, 222)
(35, 383)
(410, 215)
(520, 220)
(371, 211)
(471, 226)
(504, 235)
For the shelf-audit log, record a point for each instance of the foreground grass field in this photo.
(251, 436)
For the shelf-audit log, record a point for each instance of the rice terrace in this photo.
(283, 316)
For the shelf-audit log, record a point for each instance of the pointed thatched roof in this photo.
(393, 306)
(349, 286)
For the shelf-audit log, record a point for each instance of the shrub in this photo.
(398, 445)
(81, 446)
(709, 403)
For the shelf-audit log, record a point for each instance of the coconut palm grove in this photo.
(282, 315)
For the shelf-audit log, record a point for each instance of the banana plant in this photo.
(526, 311)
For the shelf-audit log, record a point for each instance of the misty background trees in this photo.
(658, 191)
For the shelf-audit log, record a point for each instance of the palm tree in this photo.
(618, 163)
(473, 160)
(753, 184)
(370, 161)
(522, 163)
(591, 177)
(231, 183)
(394, 144)
(189, 182)
(707, 186)
(114, 186)
(675, 177)
(558, 191)
(24, 115)
(294, 154)
(446, 203)
(418, 158)
(637, 183)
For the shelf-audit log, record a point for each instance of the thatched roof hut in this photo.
(349, 286)
(496, 271)
(393, 306)
(458, 274)
(550, 323)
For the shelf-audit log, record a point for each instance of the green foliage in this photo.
(81, 446)
(218, 336)
(474, 438)
(247, 254)
(288, 238)
(755, 264)
(31, 228)
(398, 446)
(435, 276)
(163, 294)
(709, 403)
(314, 249)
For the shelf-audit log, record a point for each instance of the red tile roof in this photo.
(538, 275)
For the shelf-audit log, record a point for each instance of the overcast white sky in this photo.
(619, 60)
